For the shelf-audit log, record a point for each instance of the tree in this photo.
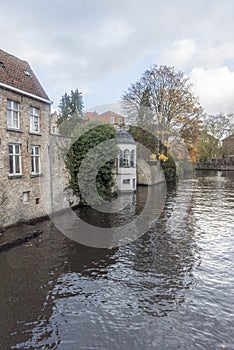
(71, 112)
(215, 129)
(162, 101)
(85, 138)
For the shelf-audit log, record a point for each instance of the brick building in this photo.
(107, 117)
(24, 141)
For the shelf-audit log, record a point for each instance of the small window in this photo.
(120, 158)
(27, 73)
(126, 158)
(26, 197)
(34, 119)
(12, 114)
(37, 200)
(14, 159)
(2, 65)
(126, 181)
(35, 160)
(112, 120)
(54, 129)
(133, 161)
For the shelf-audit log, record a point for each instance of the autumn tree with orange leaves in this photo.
(162, 102)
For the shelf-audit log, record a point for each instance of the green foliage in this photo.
(86, 138)
(71, 112)
(144, 138)
(169, 169)
(154, 146)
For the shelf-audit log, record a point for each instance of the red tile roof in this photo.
(111, 114)
(18, 74)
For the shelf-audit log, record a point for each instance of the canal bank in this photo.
(18, 234)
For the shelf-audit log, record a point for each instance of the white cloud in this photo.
(106, 45)
(178, 54)
(215, 89)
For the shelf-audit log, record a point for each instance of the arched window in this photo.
(126, 158)
(133, 161)
(120, 158)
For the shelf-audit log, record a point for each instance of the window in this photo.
(26, 197)
(54, 130)
(120, 158)
(34, 119)
(112, 120)
(126, 158)
(133, 161)
(126, 181)
(12, 114)
(27, 73)
(14, 159)
(35, 160)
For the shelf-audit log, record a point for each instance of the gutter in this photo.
(25, 93)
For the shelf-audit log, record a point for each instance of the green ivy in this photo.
(85, 138)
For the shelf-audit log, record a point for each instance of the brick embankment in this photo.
(17, 235)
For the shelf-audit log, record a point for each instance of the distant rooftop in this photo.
(123, 136)
(18, 74)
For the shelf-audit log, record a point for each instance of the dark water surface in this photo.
(171, 289)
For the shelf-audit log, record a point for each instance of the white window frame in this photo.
(112, 120)
(54, 129)
(35, 155)
(13, 120)
(126, 158)
(34, 119)
(133, 158)
(14, 155)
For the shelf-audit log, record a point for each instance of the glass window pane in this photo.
(9, 122)
(17, 149)
(17, 164)
(15, 119)
(11, 164)
(36, 123)
(32, 164)
(37, 165)
(16, 105)
(8, 104)
(10, 148)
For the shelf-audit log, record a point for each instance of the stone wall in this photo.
(13, 206)
(149, 172)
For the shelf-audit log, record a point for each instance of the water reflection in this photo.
(162, 291)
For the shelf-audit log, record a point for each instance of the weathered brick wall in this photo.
(12, 208)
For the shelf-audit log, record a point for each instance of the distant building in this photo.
(53, 123)
(109, 117)
(228, 146)
(24, 138)
(126, 164)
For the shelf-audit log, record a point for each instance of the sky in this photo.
(102, 46)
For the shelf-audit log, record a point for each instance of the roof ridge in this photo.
(18, 74)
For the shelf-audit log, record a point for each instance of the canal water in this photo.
(173, 288)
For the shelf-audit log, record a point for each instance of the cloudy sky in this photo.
(102, 46)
